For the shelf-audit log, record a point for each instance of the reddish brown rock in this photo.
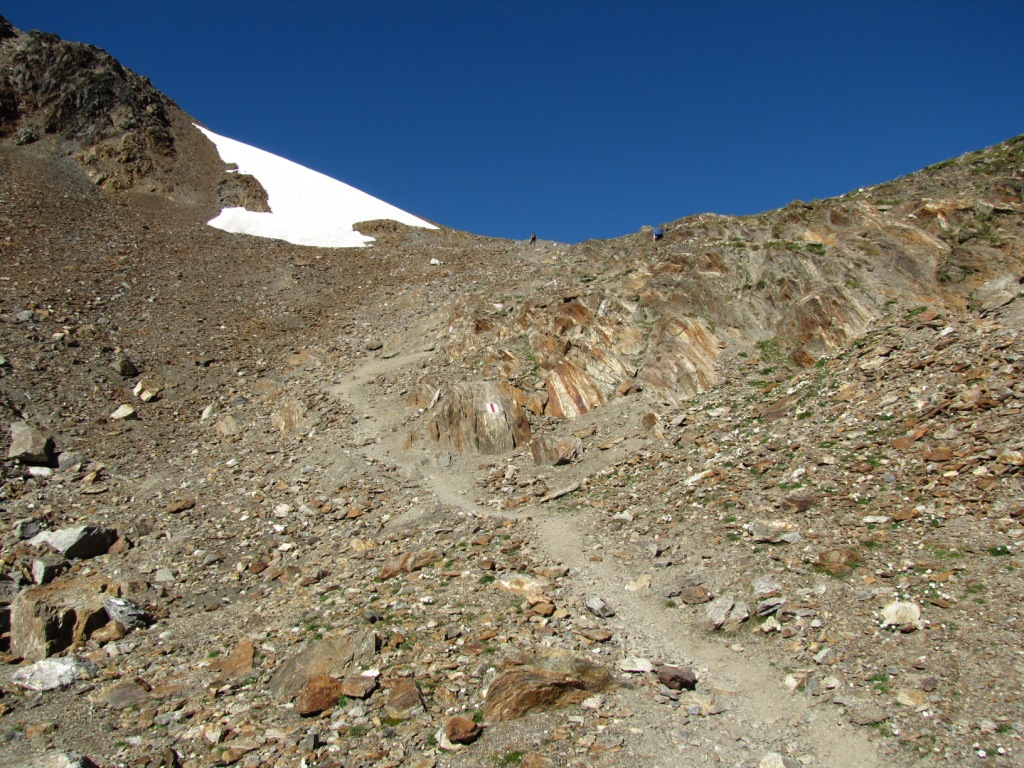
(114, 630)
(680, 360)
(319, 693)
(333, 656)
(695, 595)
(461, 730)
(236, 665)
(677, 678)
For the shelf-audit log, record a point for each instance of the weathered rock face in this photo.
(480, 417)
(571, 392)
(681, 359)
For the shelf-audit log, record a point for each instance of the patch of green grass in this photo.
(485, 579)
(878, 682)
(1000, 551)
(357, 731)
(509, 758)
(940, 552)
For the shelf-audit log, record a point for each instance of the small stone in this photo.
(775, 760)
(677, 678)
(48, 567)
(600, 608)
(521, 690)
(125, 367)
(634, 664)
(227, 426)
(82, 541)
(837, 560)
(554, 451)
(124, 413)
(911, 697)
(181, 505)
(826, 656)
(147, 391)
(112, 632)
(236, 665)
(868, 714)
(27, 528)
(766, 586)
(695, 595)
(358, 686)
(544, 609)
(904, 615)
(774, 531)
(127, 612)
(461, 730)
(124, 694)
(51, 674)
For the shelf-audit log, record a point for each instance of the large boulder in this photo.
(480, 417)
(334, 657)
(29, 445)
(48, 619)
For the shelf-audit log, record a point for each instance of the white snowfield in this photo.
(307, 207)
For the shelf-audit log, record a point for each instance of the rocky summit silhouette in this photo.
(748, 494)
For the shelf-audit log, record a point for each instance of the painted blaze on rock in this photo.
(480, 417)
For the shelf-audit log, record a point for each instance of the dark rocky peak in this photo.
(115, 122)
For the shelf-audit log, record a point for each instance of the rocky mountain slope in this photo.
(747, 495)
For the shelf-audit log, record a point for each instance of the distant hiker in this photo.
(533, 238)
(658, 233)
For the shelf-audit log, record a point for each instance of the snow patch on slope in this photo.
(307, 207)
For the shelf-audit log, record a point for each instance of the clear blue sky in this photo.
(578, 120)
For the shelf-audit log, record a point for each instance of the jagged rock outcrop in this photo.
(81, 94)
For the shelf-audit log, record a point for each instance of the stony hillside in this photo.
(748, 495)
